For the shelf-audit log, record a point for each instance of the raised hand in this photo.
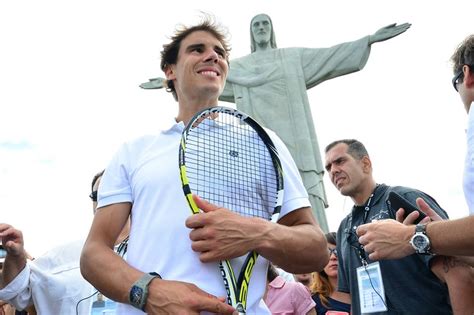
(12, 240)
(388, 32)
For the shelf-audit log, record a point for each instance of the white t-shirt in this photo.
(145, 172)
(468, 180)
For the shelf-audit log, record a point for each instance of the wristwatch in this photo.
(139, 291)
(420, 241)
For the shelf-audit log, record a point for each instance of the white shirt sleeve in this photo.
(18, 292)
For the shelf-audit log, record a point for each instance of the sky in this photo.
(69, 95)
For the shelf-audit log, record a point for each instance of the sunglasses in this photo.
(456, 78)
(93, 195)
(332, 251)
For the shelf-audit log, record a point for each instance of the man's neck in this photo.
(189, 109)
(361, 198)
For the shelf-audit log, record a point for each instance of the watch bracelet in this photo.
(142, 283)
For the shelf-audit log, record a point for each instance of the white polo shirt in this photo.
(468, 181)
(145, 172)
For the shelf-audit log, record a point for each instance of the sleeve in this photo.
(18, 292)
(342, 283)
(115, 185)
(294, 192)
(321, 64)
(468, 180)
(302, 300)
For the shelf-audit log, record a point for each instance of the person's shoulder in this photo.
(411, 194)
(408, 192)
(65, 254)
(298, 289)
(144, 140)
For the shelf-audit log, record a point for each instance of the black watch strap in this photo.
(139, 291)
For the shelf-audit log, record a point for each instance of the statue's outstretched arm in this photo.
(388, 32)
(155, 83)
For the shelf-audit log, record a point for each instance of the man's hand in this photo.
(431, 215)
(219, 233)
(386, 239)
(174, 297)
(12, 240)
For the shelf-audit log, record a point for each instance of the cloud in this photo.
(22, 145)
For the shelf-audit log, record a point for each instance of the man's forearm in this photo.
(459, 278)
(107, 271)
(12, 266)
(296, 249)
(453, 237)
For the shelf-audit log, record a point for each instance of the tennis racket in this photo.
(228, 159)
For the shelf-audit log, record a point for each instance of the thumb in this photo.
(204, 205)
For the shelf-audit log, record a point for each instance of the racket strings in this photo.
(228, 164)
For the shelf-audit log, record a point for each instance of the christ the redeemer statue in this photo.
(270, 84)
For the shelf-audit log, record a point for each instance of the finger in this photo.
(204, 205)
(362, 240)
(216, 305)
(197, 234)
(411, 218)
(400, 215)
(425, 220)
(374, 256)
(194, 221)
(362, 229)
(3, 227)
(201, 246)
(423, 206)
(209, 256)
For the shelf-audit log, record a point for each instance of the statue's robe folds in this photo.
(271, 87)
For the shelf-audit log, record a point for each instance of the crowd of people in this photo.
(378, 262)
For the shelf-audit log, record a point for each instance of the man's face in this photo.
(346, 173)
(201, 67)
(466, 94)
(261, 29)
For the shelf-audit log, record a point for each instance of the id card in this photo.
(371, 290)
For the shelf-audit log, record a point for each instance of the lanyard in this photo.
(354, 243)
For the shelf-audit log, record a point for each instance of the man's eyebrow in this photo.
(217, 48)
(335, 161)
(220, 50)
(194, 46)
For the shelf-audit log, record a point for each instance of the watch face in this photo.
(136, 295)
(420, 242)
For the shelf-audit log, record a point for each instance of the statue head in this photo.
(261, 31)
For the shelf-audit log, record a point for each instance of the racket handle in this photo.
(240, 308)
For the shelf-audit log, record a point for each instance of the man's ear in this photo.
(366, 164)
(169, 72)
(468, 76)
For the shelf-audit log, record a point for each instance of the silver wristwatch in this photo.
(420, 241)
(139, 291)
